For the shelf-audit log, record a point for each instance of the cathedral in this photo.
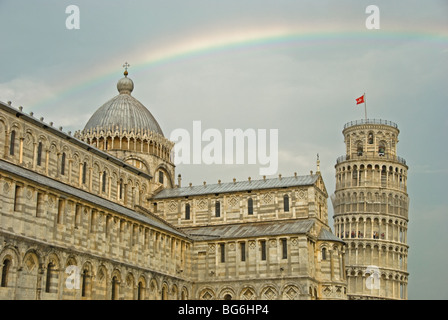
(101, 215)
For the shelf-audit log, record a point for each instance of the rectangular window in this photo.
(217, 209)
(243, 251)
(120, 190)
(39, 154)
(250, 206)
(103, 187)
(284, 249)
(263, 249)
(48, 279)
(63, 164)
(286, 203)
(5, 272)
(84, 173)
(161, 177)
(12, 143)
(83, 288)
(223, 252)
(187, 211)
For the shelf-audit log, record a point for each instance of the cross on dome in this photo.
(126, 66)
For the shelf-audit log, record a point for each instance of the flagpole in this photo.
(365, 107)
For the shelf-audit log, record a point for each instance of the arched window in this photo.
(359, 149)
(383, 176)
(164, 293)
(161, 176)
(284, 249)
(48, 278)
(324, 254)
(114, 288)
(263, 249)
(355, 172)
(84, 283)
(17, 199)
(286, 203)
(39, 154)
(103, 188)
(370, 138)
(63, 164)
(250, 206)
(5, 272)
(140, 291)
(84, 172)
(382, 149)
(12, 143)
(223, 252)
(187, 211)
(120, 193)
(217, 209)
(243, 251)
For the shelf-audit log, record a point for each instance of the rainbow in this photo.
(226, 43)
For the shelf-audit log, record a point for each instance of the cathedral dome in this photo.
(123, 112)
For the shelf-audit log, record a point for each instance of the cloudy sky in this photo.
(294, 66)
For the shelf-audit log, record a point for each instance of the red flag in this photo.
(360, 99)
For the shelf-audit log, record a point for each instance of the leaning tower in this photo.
(371, 210)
